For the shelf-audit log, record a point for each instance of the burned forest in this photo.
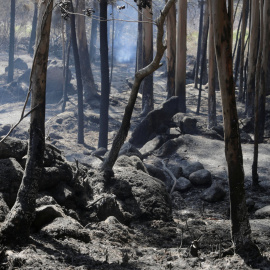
(135, 134)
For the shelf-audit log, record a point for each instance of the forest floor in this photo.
(157, 244)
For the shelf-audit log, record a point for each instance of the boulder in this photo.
(13, 148)
(188, 125)
(104, 206)
(154, 119)
(263, 212)
(19, 64)
(201, 178)
(182, 184)
(190, 167)
(45, 200)
(11, 174)
(214, 194)
(142, 196)
(46, 214)
(169, 147)
(66, 227)
(133, 161)
(160, 174)
(151, 146)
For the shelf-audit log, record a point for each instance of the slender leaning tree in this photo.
(16, 227)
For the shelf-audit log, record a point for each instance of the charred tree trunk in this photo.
(139, 58)
(240, 227)
(199, 45)
(204, 52)
(181, 53)
(78, 78)
(11, 42)
(212, 117)
(263, 68)
(16, 227)
(66, 66)
(93, 39)
(33, 30)
(139, 76)
(253, 54)
(171, 51)
(105, 83)
(147, 89)
(242, 51)
(86, 70)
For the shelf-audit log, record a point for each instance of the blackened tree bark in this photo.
(181, 53)
(88, 82)
(80, 138)
(204, 52)
(242, 51)
(66, 58)
(253, 54)
(139, 76)
(33, 30)
(105, 82)
(171, 51)
(11, 42)
(199, 45)
(16, 227)
(240, 227)
(212, 117)
(139, 58)
(261, 70)
(93, 38)
(147, 89)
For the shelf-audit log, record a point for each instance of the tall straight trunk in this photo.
(204, 52)
(263, 69)
(199, 45)
(237, 37)
(147, 89)
(66, 66)
(11, 42)
(212, 117)
(255, 176)
(93, 38)
(240, 227)
(105, 81)
(171, 51)
(204, 44)
(139, 57)
(237, 60)
(253, 54)
(181, 53)
(33, 30)
(16, 227)
(80, 138)
(242, 52)
(89, 86)
(112, 54)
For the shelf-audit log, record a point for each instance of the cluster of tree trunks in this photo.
(219, 18)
